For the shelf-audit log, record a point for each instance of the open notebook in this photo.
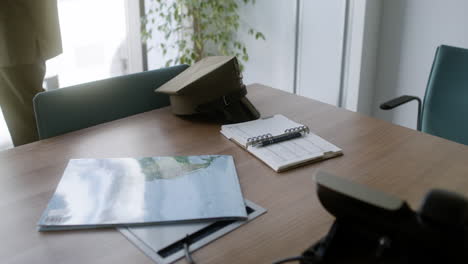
(284, 155)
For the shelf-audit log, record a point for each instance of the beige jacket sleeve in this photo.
(29, 31)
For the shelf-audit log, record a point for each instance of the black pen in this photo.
(279, 138)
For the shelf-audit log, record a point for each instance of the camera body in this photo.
(372, 226)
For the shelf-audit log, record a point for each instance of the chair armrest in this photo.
(402, 100)
(398, 101)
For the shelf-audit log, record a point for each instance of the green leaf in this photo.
(168, 63)
(197, 28)
(259, 35)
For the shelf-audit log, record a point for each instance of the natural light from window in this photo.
(94, 46)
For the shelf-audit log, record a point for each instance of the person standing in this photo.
(29, 35)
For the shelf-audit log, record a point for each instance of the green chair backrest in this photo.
(445, 107)
(84, 105)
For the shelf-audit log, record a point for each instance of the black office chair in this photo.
(444, 112)
(84, 105)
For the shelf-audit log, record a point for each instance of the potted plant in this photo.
(196, 29)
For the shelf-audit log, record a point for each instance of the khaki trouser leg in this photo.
(18, 85)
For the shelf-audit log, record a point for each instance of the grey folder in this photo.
(135, 191)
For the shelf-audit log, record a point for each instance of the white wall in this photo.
(320, 43)
(271, 61)
(320, 49)
(410, 32)
(361, 55)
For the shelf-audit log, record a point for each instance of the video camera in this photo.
(374, 227)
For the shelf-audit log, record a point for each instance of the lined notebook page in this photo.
(285, 154)
(274, 125)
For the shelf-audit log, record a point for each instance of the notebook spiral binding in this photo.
(258, 139)
(252, 141)
(300, 129)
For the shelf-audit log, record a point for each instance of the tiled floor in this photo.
(5, 140)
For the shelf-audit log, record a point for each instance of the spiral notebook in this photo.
(284, 155)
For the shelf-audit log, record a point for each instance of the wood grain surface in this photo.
(390, 158)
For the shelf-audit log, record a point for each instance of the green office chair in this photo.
(84, 105)
(444, 111)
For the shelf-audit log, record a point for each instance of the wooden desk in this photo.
(391, 158)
